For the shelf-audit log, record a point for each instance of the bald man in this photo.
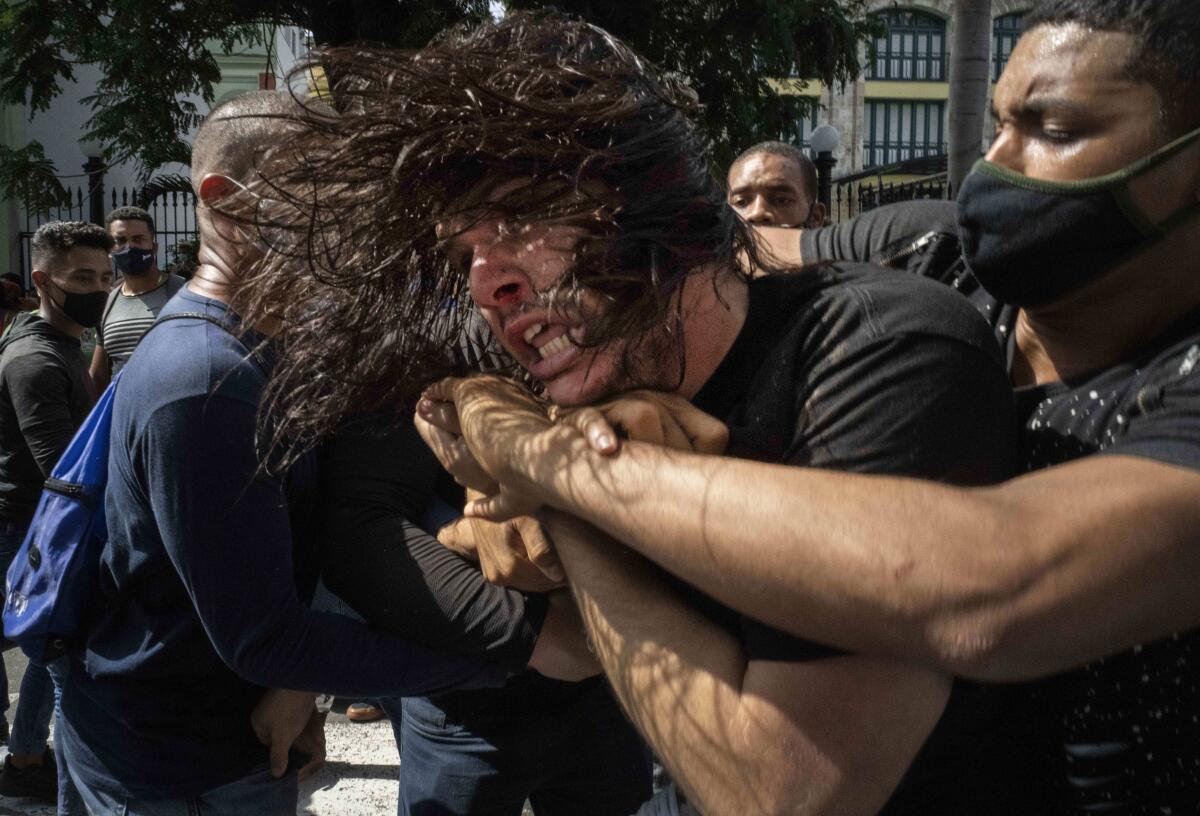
(773, 184)
(201, 604)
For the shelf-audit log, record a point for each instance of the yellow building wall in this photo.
(888, 89)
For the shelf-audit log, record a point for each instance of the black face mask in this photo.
(132, 262)
(1031, 242)
(85, 308)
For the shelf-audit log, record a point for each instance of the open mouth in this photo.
(547, 341)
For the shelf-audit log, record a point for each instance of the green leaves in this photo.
(731, 51)
(26, 174)
(156, 64)
(159, 70)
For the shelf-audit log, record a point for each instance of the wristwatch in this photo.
(324, 702)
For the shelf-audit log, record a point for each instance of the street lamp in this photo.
(93, 151)
(824, 141)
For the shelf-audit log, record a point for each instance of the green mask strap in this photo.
(1114, 182)
(1091, 185)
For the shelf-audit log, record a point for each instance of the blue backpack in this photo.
(53, 576)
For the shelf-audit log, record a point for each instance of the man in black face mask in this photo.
(45, 394)
(141, 291)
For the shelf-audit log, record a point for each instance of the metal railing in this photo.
(859, 192)
(174, 215)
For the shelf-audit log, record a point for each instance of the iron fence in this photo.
(174, 214)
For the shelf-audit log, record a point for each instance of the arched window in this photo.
(912, 47)
(1006, 30)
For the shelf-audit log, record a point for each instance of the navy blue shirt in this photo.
(198, 608)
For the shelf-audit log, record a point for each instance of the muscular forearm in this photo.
(680, 679)
(996, 583)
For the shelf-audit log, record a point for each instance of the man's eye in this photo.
(1058, 135)
(738, 201)
(783, 201)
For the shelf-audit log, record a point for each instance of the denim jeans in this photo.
(258, 794)
(35, 704)
(579, 759)
(69, 801)
(666, 803)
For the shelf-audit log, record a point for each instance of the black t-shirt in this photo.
(860, 369)
(1121, 735)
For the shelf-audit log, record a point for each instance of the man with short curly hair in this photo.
(45, 394)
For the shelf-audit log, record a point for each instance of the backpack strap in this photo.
(216, 321)
(108, 307)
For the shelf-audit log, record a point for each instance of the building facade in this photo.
(896, 110)
(60, 129)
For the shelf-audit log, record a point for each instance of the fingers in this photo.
(312, 742)
(455, 457)
(670, 420)
(640, 420)
(706, 433)
(311, 767)
(674, 435)
(460, 536)
(596, 429)
(442, 413)
(497, 507)
(538, 548)
(443, 390)
(279, 755)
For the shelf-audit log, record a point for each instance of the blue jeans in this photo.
(258, 794)
(69, 801)
(572, 756)
(35, 704)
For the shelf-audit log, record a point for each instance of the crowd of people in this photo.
(489, 402)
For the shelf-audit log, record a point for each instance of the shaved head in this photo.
(236, 132)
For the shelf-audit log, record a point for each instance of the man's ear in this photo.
(39, 278)
(816, 216)
(214, 187)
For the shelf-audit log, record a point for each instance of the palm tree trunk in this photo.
(969, 66)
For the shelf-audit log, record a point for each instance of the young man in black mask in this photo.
(141, 291)
(1080, 233)
(44, 396)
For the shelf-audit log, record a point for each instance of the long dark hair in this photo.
(404, 140)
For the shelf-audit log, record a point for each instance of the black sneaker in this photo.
(3, 729)
(34, 782)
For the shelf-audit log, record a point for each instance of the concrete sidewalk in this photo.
(360, 778)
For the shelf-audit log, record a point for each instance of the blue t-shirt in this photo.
(197, 606)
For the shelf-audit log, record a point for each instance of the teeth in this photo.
(533, 331)
(561, 343)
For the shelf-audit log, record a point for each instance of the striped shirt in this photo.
(128, 317)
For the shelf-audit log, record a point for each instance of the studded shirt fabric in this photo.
(1121, 735)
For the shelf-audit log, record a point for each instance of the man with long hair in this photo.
(543, 169)
(1079, 234)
